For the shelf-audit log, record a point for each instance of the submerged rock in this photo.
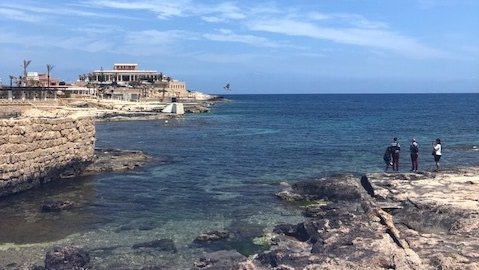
(166, 245)
(297, 231)
(113, 160)
(327, 189)
(67, 258)
(212, 236)
(57, 206)
(289, 195)
(219, 260)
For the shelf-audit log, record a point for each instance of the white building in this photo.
(123, 74)
(129, 75)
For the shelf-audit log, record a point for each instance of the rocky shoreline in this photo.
(380, 221)
(55, 139)
(420, 220)
(115, 160)
(111, 110)
(377, 221)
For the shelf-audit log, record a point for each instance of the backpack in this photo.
(387, 154)
(395, 148)
(414, 149)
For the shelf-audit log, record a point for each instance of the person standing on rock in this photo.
(387, 158)
(437, 152)
(396, 148)
(414, 149)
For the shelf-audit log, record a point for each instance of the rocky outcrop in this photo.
(35, 150)
(347, 230)
(67, 258)
(114, 110)
(437, 213)
(380, 221)
(219, 260)
(114, 160)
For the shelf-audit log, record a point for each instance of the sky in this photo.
(265, 47)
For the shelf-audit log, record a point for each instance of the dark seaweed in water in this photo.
(240, 237)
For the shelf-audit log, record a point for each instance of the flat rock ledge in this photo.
(379, 221)
(114, 160)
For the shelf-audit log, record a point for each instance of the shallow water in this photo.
(223, 169)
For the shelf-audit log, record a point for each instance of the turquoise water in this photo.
(220, 170)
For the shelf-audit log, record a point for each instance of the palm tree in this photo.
(11, 80)
(25, 66)
(49, 69)
(163, 90)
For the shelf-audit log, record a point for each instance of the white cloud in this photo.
(163, 9)
(360, 21)
(18, 15)
(373, 38)
(98, 29)
(239, 59)
(256, 23)
(168, 9)
(226, 11)
(212, 19)
(317, 16)
(154, 42)
(229, 36)
(38, 41)
(34, 13)
(155, 37)
(84, 44)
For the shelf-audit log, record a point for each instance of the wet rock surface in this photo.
(213, 236)
(224, 259)
(67, 258)
(113, 160)
(57, 206)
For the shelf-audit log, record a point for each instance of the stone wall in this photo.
(35, 150)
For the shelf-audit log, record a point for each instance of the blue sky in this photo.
(304, 46)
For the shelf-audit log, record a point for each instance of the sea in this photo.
(220, 171)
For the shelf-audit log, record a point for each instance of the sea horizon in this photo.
(352, 93)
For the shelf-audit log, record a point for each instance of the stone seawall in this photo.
(35, 150)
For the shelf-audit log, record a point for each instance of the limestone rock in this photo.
(212, 236)
(112, 160)
(42, 146)
(350, 228)
(219, 260)
(289, 195)
(67, 258)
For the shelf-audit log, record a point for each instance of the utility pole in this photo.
(49, 69)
